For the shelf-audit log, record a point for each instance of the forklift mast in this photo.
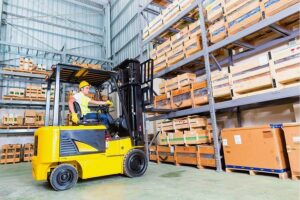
(132, 80)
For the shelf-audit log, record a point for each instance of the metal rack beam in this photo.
(285, 93)
(21, 74)
(17, 131)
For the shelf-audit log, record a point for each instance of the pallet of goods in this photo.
(11, 153)
(251, 76)
(30, 117)
(12, 120)
(292, 141)
(34, 91)
(162, 102)
(221, 85)
(286, 65)
(242, 14)
(201, 156)
(26, 64)
(16, 92)
(263, 146)
(271, 7)
(181, 98)
(199, 93)
(27, 152)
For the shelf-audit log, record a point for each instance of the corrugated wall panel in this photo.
(52, 24)
(125, 28)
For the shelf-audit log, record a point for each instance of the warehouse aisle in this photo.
(160, 182)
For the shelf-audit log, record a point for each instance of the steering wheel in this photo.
(103, 109)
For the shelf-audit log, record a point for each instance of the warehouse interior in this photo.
(200, 99)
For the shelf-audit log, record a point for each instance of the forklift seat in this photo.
(82, 119)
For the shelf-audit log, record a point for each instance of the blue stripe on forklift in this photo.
(256, 169)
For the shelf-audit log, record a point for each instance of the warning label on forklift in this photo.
(237, 139)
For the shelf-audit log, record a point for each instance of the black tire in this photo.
(135, 163)
(63, 177)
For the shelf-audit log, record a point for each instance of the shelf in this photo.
(32, 103)
(285, 93)
(231, 39)
(17, 131)
(21, 74)
(170, 23)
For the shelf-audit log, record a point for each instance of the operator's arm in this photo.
(97, 102)
(71, 104)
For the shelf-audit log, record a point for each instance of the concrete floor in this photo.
(160, 182)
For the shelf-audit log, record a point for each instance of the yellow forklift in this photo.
(62, 154)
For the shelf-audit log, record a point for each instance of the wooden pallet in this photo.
(11, 153)
(282, 175)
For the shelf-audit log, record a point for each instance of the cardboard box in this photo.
(292, 140)
(257, 148)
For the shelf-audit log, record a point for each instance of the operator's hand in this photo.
(109, 103)
(75, 118)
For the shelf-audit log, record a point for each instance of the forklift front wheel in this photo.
(63, 177)
(135, 163)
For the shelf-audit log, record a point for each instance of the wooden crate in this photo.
(217, 31)
(170, 12)
(199, 93)
(11, 153)
(193, 45)
(163, 138)
(197, 136)
(292, 141)
(181, 123)
(18, 92)
(155, 24)
(286, 65)
(220, 84)
(251, 75)
(165, 154)
(27, 152)
(194, 29)
(176, 55)
(181, 98)
(179, 38)
(186, 79)
(26, 64)
(9, 120)
(40, 118)
(214, 10)
(162, 87)
(172, 84)
(162, 102)
(153, 54)
(160, 64)
(207, 156)
(183, 4)
(187, 155)
(163, 48)
(242, 15)
(33, 91)
(176, 138)
(272, 7)
(30, 117)
(167, 126)
(197, 122)
(153, 153)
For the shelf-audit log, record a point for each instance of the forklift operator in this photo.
(83, 100)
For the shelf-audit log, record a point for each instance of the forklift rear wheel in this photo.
(63, 177)
(135, 163)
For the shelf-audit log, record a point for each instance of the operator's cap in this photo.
(83, 84)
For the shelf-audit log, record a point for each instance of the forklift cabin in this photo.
(62, 154)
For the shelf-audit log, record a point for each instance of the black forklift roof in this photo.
(74, 74)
